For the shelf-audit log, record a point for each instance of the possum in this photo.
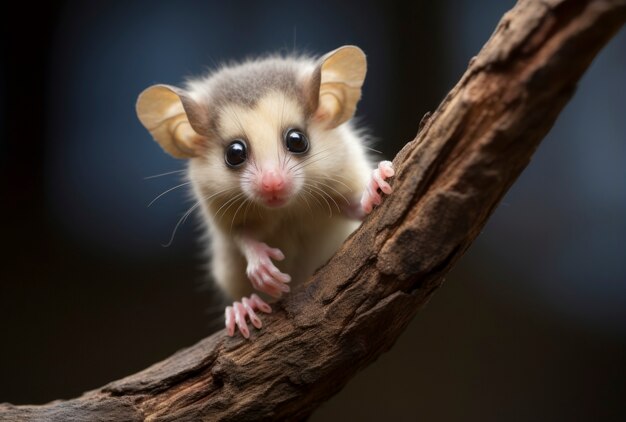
(280, 173)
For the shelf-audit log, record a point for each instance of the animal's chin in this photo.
(275, 201)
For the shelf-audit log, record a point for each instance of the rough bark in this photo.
(449, 180)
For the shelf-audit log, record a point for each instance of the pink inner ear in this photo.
(320, 115)
(329, 109)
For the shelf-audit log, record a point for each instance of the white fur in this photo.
(311, 227)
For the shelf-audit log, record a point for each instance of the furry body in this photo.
(275, 165)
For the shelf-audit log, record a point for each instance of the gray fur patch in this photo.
(246, 83)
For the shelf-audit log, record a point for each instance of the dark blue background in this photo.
(530, 325)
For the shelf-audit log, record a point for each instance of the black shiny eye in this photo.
(236, 154)
(296, 141)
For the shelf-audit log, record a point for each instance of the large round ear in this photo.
(334, 89)
(174, 120)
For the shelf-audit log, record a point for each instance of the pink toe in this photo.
(366, 204)
(230, 321)
(253, 277)
(240, 319)
(373, 195)
(271, 286)
(277, 284)
(384, 186)
(244, 331)
(386, 168)
(277, 275)
(276, 254)
(253, 317)
(260, 304)
(375, 199)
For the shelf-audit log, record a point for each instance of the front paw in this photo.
(264, 275)
(236, 315)
(371, 196)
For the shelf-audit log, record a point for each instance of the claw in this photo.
(371, 197)
(237, 314)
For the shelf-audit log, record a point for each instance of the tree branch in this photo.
(449, 179)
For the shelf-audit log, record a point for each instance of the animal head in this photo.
(260, 129)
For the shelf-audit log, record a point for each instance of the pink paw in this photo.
(371, 196)
(236, 314)
(262, 272)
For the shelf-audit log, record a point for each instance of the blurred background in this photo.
(531, 325)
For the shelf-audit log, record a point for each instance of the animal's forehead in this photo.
(248, 83)
(271, 114)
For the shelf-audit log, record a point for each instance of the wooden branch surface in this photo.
(449, 179)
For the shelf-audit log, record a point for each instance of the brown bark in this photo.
(449, 179)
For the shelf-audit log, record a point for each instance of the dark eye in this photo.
(235, 154)
(296, 141)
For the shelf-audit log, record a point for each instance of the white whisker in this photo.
(245, 211)
(304, 164)
(164, 174)
(230, 201)
(181, 221)
(169, 190)
(314, 194)
(236, 211)
(304, 190)
(307, 159)
(336, 191)
(327, 195)
(309, 209)
(372, 149)
(189, 211)
(302, 176)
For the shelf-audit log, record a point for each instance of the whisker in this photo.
(289, 157)
(303, 176)
(312, 196)
(181, 221)
(231, 204)
(330, 211)
(341, 177)
(237, 211)
(164, 174)
(327, 195)
(309, 157)
(336, 191)
(306, 159)
(230, 201)
(254, 164)
(307, 204)
(169, 190)
(302, 165)
(245, 211)
(299, 166)
(372, 149)
(188, 212)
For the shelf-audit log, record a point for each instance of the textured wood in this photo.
(449, 180)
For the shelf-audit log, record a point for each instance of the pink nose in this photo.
(272, 181)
